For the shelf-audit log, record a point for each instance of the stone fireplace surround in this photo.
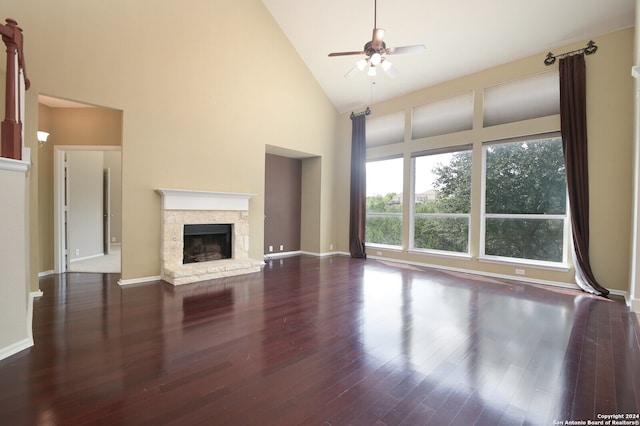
(180, 207)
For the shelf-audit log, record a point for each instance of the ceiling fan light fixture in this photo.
(376, 51)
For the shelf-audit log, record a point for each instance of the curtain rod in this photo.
(589, 50)
(365, 112)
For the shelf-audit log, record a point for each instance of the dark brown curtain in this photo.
(358, 199)
(573, 126)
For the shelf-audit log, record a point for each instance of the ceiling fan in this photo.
(375, 52)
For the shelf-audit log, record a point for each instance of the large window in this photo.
(442, 201)
(525, 203)
(384, 202)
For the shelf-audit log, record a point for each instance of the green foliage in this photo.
(525, 239)
(453, 184)
(384, 230)
(384, 203)
(526, 178)
(453, 187)
(442, 233)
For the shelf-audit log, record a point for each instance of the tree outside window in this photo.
(384, 202)
(525, 201)
(442, 201)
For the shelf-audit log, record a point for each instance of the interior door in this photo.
(106, 211)
(67, 191)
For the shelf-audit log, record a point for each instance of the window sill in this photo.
(550, 266)
(441, 253)
(386, 247)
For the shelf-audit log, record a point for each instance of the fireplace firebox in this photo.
(207, 242)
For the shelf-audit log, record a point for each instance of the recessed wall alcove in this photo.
(186, 207)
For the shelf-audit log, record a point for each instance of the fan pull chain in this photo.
(371, 98)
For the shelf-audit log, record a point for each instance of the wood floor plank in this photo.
(322, 341)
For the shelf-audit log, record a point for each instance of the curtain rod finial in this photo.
(591, 48)
(550, 59)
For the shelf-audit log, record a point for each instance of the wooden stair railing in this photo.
(11, 146)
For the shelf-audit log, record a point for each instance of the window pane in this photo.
(442, 233)
(384, 202)
(526, 178)
(384, 229)
(443, 187)
(443, 183)
(535, 239)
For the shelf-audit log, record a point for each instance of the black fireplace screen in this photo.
(207, 242)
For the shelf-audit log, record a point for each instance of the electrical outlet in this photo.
(270, 249)
(281, 247)
(519, 271)
(77, 252)
(330, 246)
(113, 239)
(378, 253)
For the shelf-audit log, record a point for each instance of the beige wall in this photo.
(197, 112)
(610, 115)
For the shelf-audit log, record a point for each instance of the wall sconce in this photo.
(42, 137)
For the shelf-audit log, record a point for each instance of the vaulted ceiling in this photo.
(461, 37)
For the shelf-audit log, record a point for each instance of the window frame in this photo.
(412, 204)
(566, 235)
(400, 215)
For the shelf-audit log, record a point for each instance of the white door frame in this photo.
(59, 231)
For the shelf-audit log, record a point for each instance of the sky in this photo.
(385, 176)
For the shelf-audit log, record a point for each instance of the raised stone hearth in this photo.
(179, 208)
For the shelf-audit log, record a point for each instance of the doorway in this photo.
(87, 194)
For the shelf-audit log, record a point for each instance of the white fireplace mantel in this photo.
(181, 199)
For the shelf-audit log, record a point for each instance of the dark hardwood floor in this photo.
(330, 341)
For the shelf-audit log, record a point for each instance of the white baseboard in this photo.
(32, 295)
(135, 281)
(46, 273)
(280, 254)
(27, 342)
(15, 348)
(634, 304)
(80, 259)
(327, 254)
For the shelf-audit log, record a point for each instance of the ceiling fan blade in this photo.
(346, 53)
(418, 48)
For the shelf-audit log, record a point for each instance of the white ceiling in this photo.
(462, 37)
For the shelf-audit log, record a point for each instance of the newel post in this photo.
(11, 146)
